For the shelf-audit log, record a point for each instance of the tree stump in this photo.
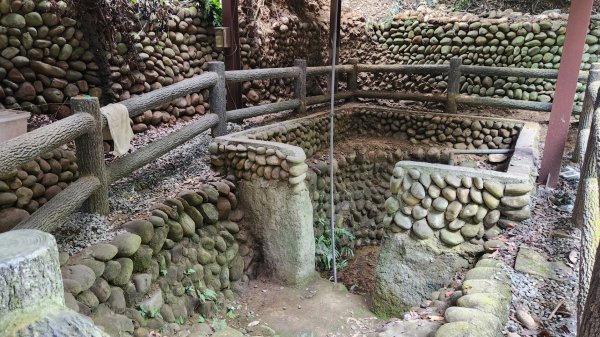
(31, 289)
(29, 271)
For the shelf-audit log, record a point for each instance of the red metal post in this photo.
(566, 87)
(232, 54)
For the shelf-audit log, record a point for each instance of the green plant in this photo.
(461, 5)
(143, 311)
(201, 319)
(190, 289)
(154, 313)
(231, 313)
(213, 12)
(180, 320)
(163, 272)
(189, 271)
(162, 329)
(206, 295)
(219, 324)
(324, 252)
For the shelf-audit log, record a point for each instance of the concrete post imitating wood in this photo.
(353, 78)
(300, 86)
(32, 299)
(90, 154)
(218, 98)
(29, 271)
(453, 84)
(587, 112)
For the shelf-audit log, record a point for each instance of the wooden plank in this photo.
(325, 70)
(312, 100)
(408, 96)
(259, 110)
(150, 100)
(504, 103)
(261, 74)
(431, 69)
(19, 150)
(59, 208)
(124, 166)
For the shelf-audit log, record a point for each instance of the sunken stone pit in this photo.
(407, 180)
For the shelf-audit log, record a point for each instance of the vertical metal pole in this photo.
(566, 85)
(90, 154)
(218, 95)
(334, 44)
(587, 112)
(453, 84)
(353, 78)
(300, 86)
(335, 11)
(232, 54)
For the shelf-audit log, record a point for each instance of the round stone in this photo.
(469, 211)
(451, 238)
(436, 219)
(422, 230)
(491, 218)
(403, 221)
(440, 204)
(417, 190)
(419, 212)
(470, 230)
(456, 224)
(449, 193)
(453, 210)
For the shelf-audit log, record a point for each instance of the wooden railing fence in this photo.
(90, 191)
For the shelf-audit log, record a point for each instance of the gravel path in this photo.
(186, 167)
(551, 232)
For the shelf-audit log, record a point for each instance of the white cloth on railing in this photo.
(119, 127)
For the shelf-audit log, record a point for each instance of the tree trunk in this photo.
(589, 325)
(590, 237)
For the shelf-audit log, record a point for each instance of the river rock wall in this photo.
(499, 40)
(370, 188)
(44, 58)
(454, 204)
(182, 260)
(274, 35)
(33, 184)
(161, 54)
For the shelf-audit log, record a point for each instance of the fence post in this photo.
(453, 84)
(300, 86)
(587, 113)
(90, 154)
(218, 98)
(353, 78)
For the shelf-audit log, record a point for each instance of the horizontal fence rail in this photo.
(325, 70)
(26, 147)
(124, 166)
(431, 69)
(137, 105)
(261, 74)
(515, 72)
(58, 209)
(85, 126)
(259, 110)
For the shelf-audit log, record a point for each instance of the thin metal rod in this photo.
(331, 128)
(489, 151)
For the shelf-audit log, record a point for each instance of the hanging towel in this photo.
(117, 117)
